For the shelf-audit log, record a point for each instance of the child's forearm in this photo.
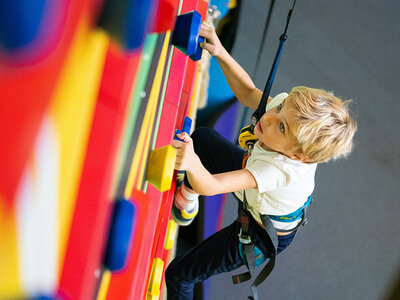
(201, 180)
(207, 184)
(239, 81)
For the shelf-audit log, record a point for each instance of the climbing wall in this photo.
(91, 93)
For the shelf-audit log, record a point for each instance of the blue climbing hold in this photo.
(187, 125)
(186, 34)
(20, 21)
(120, 236)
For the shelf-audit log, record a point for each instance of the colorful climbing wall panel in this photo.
(92, 210)
(27, 87)
(85, 111)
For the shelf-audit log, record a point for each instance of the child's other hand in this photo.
(185, 155)
(211, 43)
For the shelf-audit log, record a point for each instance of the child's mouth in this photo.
(259, 127)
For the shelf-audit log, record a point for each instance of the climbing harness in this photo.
(252, 255)
(250, 249)
(300, 214)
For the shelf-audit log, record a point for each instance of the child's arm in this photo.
(239, 81)
(202, 181)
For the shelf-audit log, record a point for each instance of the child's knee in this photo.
(170, 275)
(167, 275)
(174, 271)
(170, 282)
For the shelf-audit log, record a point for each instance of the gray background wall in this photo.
(350, 247)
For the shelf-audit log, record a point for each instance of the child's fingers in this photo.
(184, 137)
(206, 31)
(211, 42)
(179, 164)
(179, 161)
(177, 144)
(206, 46)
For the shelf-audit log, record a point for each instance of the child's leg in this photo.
(217, 254)
(218, 155)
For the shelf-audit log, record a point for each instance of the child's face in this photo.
(274, 131)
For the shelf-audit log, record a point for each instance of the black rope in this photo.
(267, 90)
(289, 16)
(259, 54)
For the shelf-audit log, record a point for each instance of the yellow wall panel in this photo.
(9, 277)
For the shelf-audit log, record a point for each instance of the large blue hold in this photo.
(186, 34)
(20, 21)
(120, 236)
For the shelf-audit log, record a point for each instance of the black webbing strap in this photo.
(257, 114)
(244, 218)
(239, 278)
(267, 90)
(269, 266)
(259, 54)
(244, 238)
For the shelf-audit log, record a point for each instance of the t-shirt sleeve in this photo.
(268, 177)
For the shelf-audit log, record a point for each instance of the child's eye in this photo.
(282, 127)
(279, 107)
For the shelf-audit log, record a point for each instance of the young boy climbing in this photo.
(297, 131)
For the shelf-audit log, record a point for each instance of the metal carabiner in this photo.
(244, 241)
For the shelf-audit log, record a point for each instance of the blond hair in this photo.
(323, 127)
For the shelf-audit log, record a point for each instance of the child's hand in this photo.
(185, 155)
(211, 43)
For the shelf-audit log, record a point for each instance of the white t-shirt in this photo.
(283, 184)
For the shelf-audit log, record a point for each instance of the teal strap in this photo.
(294, 216)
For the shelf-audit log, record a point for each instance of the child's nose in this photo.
(269, 119)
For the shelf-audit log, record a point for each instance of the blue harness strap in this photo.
(294, 216)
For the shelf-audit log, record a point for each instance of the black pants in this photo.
(220, 252)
